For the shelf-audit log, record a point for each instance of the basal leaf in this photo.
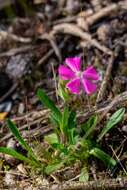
(53, 167)
(60, 147)
(16, 155)
(16, 133)
(52, 138)
(84, 176)
(114, 119)
(53, 120)
(20, 139)
(108, 161)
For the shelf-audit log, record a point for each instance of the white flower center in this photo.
(79, 74)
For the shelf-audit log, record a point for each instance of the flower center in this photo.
(79, 74)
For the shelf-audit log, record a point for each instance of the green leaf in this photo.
(72, 133)
(108, 161)
(49, 104)
(16, 155)
(114, 119)
(89, 126)
(72, 120)
(18, 136)
(64, 123)
(54, 120)
(53, 167)
(60, 147)
(63, 93)
(84, 176)
(16, 133)
(71, 136)
(52, 138)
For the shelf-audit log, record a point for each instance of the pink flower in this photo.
(78, 79)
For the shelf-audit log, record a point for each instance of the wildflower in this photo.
(78, 79)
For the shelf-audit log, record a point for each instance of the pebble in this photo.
(22, 169)
(17, 66)
(124, 128)
(103, 32)
(6, 106)
(21, 108)
(11, 160)
(9, 178)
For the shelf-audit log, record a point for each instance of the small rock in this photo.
(21, 108)
(11, 144)
(72, 6)
(103, 32)
(9, 178)
(124, 128)
(21, 169)
(6, 106)
(18, 66)
(42, 182)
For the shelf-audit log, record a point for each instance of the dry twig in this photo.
(107, 184)
(73, 29)
(105, 81)
(40, 120)
(14, 86)
(119, 100)
(36, 117)
(45, 57)
(85, 22)
(4, 35)
(15, 51)
(102, 13)
(50, 52)
(53, 44)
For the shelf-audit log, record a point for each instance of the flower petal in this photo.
(91, 73)
(65, 73)
(74, 63)
(74, 86)
(88, 86)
